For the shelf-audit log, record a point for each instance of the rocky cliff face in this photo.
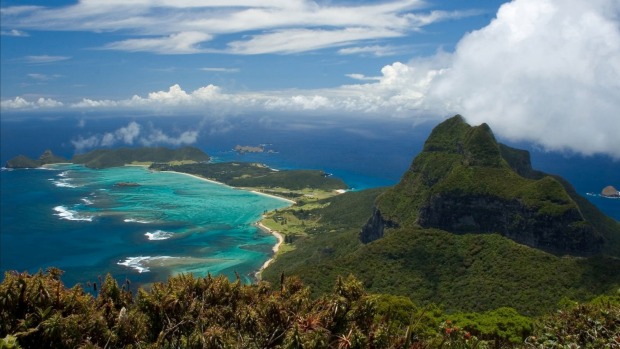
(466, 182)
(565, 233)
(375, 227)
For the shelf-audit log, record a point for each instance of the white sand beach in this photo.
(276, 247)
(270, 195)
(241, 188)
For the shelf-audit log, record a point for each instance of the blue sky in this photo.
(285, 44)
(543, 71)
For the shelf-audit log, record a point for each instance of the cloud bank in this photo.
(22, 103)
(132, 134)
(543, 71)
(546, 71)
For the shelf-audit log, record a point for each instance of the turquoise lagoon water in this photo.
(78, 220)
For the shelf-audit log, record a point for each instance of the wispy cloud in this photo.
(274, 26)
(42, 59)
(363, 77)
(221, 70)
(375, 50)
(180, 43)
(15, 33)
(299, 40)
(43, 77)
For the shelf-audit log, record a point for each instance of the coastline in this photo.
(258, 224)
(275, 248)
(238, 188)
(270, 195)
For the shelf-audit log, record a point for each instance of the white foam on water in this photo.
(133, 220)
(159, 235)
(65, 213)
(63, 182)
(141, 263)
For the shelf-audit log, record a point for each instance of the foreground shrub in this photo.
(38, 311)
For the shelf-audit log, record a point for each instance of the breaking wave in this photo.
(159, 235)
(133, 220)
(70, 215)
(143, 263)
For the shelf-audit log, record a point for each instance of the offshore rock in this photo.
(610, 192)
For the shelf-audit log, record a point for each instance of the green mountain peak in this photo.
(464, 181)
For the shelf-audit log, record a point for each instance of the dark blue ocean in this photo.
(75, 219)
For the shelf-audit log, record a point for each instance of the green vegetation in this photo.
(22, 161)
(102, 158)
(243, 174)
(462, 160)
(475, 250)
(465, 182)
(458, 265)
(38, 311)
(471, 272)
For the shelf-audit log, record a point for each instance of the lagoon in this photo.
(78, 220)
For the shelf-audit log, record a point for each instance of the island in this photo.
(104, 158)
(261, 148)
(610, 192)
(473, 248)
(241, 149)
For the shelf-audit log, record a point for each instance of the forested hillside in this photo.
(102, 158)
(470, 226)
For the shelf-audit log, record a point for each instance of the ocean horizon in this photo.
(74, 218)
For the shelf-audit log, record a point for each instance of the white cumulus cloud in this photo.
(159, 137)
(20, 103)
(134, 133)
